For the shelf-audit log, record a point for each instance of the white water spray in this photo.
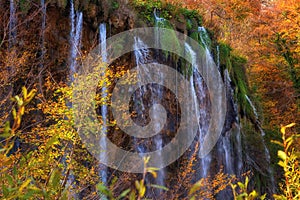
(76, 19)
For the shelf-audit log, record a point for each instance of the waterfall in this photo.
(102, 41)
(199, 95)
(142, 56)
(269, 168)
(252, 106)
(158, 20)
(266, 150)
(76, 19)
(230, 145)
(208, 62)
(205, 40)
(12, 25)
(104, 111)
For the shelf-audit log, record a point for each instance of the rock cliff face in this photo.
(238, 150)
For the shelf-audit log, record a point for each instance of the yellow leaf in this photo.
(154, 174)
(282, 130)
(22, 110)
(24, 90)
(14, 113)
(24, 185)
(281, 155)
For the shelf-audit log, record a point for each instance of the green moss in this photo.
(145, 9)
(24, 6)
(189, 24)
(195, 36)
(167, 11)
(239, 77)
(205, 40)
(114, 5)
(236, 67)
(189, 14)
(169, 39)
(224, 52)
(238, 74)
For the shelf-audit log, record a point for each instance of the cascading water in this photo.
(252, 106)
(12, 24)
(218, 57)
(158, 20)
(229, 147)
(228, 151)
(104, 111)
(204, 38)
(102, 40)
(142, 56)
(76, 19)
(265, 148)
(232, 155)
(199, 95)
(231, 159)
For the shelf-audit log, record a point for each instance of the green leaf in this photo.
(64, 195)
(54, 140)
(55, 178)
(29, 194)
(159, 187)
(124, 194)
(6, 130)
(14, 113)
(132, 195)
(241, 185)
(15, 171)
(7, 127)
(137, 185)
(196, 186)
(104, 190)
(9, 179)
(5, 190)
